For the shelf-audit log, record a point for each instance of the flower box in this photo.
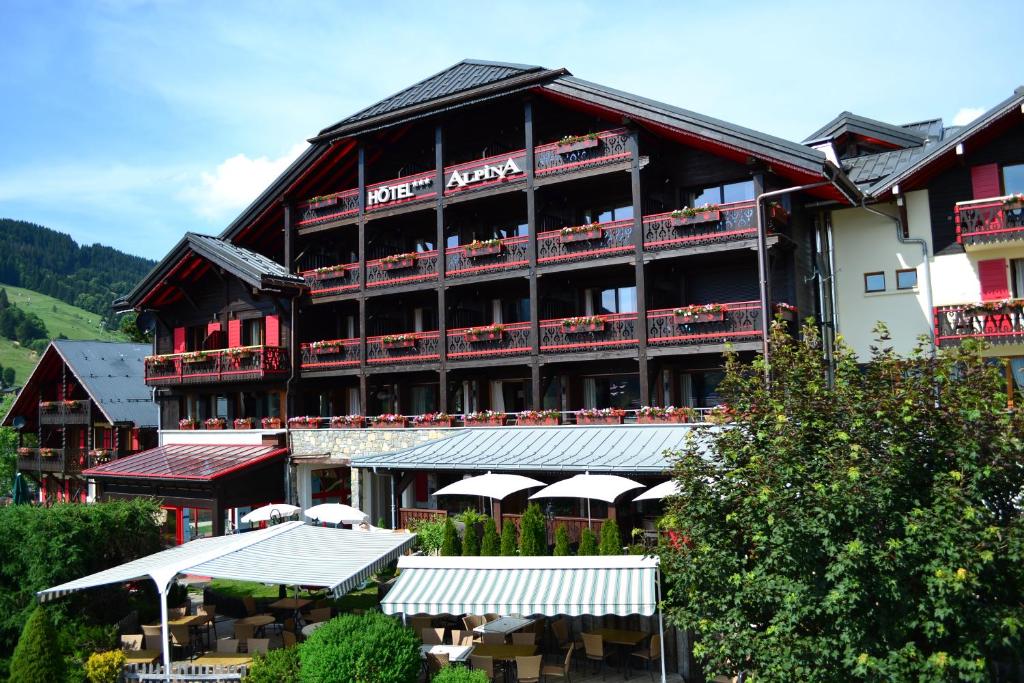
(486, 418)
(270, 423)
(678, 418)
(329, 272)
(486, 249)
(188, 424)
(304, 423)
(433, 424)
(702, 217)
(244, 423)
(215, 423)
(599, 419)
(538, 421)
(388, 422)
(484, 334)
(321, 202)
(26, 452)
(398, 264)
(49, 452)
(580, 235)
(48, 406)
(347, 421)
(577, 145)
(323, 347)
(692, 318)
(405, 342)
(584, 327)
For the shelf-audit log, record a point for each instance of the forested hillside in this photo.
(50, 262)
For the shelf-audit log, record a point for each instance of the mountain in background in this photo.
(89, 277)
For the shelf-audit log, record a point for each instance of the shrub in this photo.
(611, 539)
(34, 658)
(491, 545)
(588, 543)
(450, 541)
(460, 674)
(508, 539)
(429, 535)
(366, 648)
(561, 541)
(470, 541)
(277, 666)
(533, 533)
(104, 667)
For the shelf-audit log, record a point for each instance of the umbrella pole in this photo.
(588, 515)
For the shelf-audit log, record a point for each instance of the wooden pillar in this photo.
(293, 315)
(361, 213)
(638, 245)
(531, 254)
(442, 263)
(496, 512)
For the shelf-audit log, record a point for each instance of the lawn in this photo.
(364, 599)
(59, 317)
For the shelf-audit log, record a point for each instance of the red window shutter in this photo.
(81, 439)
(421, 487)
(179, 340)
(992, 276)
(108, 438)
(234, 333)
(985, 181)
(273, 330)
(135, 439)
(213, 335)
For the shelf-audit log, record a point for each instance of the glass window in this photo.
(905, 279)
(874, 282)
(738, 192)
(611, 391)
(618, 300)
(221, 407)
(423, 398)
(252, 332)
(1017, 273)
(1013, 179)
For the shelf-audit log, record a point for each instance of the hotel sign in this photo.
(394, 192)
(461, 177)
(487, 172)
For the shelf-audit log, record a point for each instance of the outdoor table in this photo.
(223, 659)
(504, 625)
(456, 653)
(193, 621)
(294, 605)
(141, 656)
(507, 653)
(621, 638)
(308, 629)
(259, 621)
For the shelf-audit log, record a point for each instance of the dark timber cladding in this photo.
(496, 236)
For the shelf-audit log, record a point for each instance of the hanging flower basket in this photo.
(538, 418)
(306, 422)
(587, 323)
(575, 143)
(600, 416)
(388, 421)
(328, 272)
(483, 248)
(398, 262)
(48, 406)
(433, 420)
(319, 347)
(24, 452)
(701, 313)
(484, 334)
(244, 423)
(49, 452)
(485, 418)
(668, 415)
(580, 233)
(695, 216)
(347, 421)
(398, 341)
(270, 422)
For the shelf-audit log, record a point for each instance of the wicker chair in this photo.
(132, 642)
(650, 654)
(524, 638)
(593, 647)
(559, 671)
(288, 638)
(528, 669)
(492, 638)
(485, 664)
(258, 645)
(153, 636)
(228, 646)
(432, 636)
(460, 637)
(435, 663)
(243, 632)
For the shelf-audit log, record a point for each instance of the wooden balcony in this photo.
(413, 347)
(246, 364)
(332, 280)
(510, 254)
(990, 221)
(612, 331)
(998, 322)
(739, 321)
(68, 412)
(389, 272)
(409, 516)
(586, 243)
(729, 223)
(50, 460)
(330, 354)
(573, 525)
(513, 339)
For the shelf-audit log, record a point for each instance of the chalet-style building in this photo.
(86, 403)
(496, 237)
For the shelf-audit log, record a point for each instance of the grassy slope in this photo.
(60, 318)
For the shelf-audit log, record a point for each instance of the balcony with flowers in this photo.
(588, 333)
(328, 354)
(332, 280)
(406, 268)
(236, 364)
(997, 322)
(711, 323)
(407, 347)
(480, 257)
(993, 221)
(67, 411)
(489, 341)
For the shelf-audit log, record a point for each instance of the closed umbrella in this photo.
(20, 492)
(269, 512)
(662, 490)
(489, 485)
(336, 513)
(606, 487)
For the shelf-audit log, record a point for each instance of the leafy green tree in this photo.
(588, 543)
(508, 540)
(130, 329)
(611, 538)
(9, 377)
(450, 541)
(533, 532)
(490, 546)
(561, 541)
(34, 660)
(864, 529)
(429, 534)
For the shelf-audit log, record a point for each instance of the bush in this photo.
(460, 674)
(104, 667)
(470, 541)
(533, 533)
(277, 666)
(508, 539)
(588, 543)
(450, 541)
(366, 648)
(611, 539)
(34, 658)
(429, 534)
(561, 541)
(491, 544)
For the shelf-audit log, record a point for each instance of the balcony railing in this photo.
(728, 223)
(75, 411)
(738, 321)
(998, 322)
(49, 460)
(411, 347)
(561, 335)
(585, 242)
(511, 339)
(244, 364)
(325, 355)
(392, 272)
(988, 221)
(410, 516)
(332, 279)
(510, 253)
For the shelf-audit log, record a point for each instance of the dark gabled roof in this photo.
(852, 124)
(186, 462)
(873, 167)
(932, 128)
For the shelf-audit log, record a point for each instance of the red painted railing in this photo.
(336, 280)
(735, 221)
(618, 330)
(336, 353)
(998, 322)
(740, 321)
(237, 365)
(512, 254)
(423, 267)
(985, 221)
(425, 348)
(513, 340)
(616, 238)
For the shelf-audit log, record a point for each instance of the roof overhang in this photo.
(187, 462)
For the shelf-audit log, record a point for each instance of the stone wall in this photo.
(345, 443)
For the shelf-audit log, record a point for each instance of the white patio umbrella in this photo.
(606, 487)
(336, 513)
(268, 512)
(489, 485)
(662, 490)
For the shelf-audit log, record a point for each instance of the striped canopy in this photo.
(549, 586)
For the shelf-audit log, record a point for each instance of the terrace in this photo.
(240, 364)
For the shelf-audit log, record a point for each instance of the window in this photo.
(252, 332)
(725, 194)
(617, 300)
(1017, 273)
(905, 279)
(874, 282)
(611, 391)
(1013, 179)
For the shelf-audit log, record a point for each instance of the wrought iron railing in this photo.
(738, 321)
(510, 254)
(998, 322)
(602, 239)
(329, 354)
(617, 330)
(332, 280)
(380, 273)
(511, 339)
(416, 347)
(249, 363)
(985, 221)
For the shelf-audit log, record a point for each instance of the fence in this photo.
(184, 672)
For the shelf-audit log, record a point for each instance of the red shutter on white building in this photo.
(992, 276)
(272, 332)
(985, 181)
(179, 340)
(234, 333)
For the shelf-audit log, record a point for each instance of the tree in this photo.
(611, 539)
(129, 327)
(365, 648)
(491, 545)
(8, 450)
(450, 540)
(533, 532)
(867, 528)
(4, 302)
(34, 660)
(588, 543)
(9, 377)
(470, 541)
(508, 539)
(561, 541)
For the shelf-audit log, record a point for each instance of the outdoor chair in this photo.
(211, 619)
(257, 645)
(559, 671)
(471, 621)
(132, 642)
(420, 623)
(319, 614)
(288, 639)
(563, 634)
(227, 646)
(181, 638)
(528, 669)
(492, 638)
(243, 632)
(460, 637)
(251, 609)
(650, 654)
(435, 663)
(485, 664)
(491, 616)
(593, 647)
(432, 636)
(153, 636)
(524, 638)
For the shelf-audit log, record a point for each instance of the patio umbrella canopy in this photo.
(489, 485)
(606, 487)
(20, 493)
(268, 512)
(336, 513)
(662, 490)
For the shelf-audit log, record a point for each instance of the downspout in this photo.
(926, 288)
(288, 394)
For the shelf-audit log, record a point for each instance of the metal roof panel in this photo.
(202, 462)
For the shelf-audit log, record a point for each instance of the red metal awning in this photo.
(190, 462)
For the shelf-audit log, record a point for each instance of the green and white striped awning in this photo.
(548, 586)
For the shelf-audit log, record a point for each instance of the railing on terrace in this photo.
(332, 279)
(241, 364)
(727, 223)
(73, 411)
(597, 240)
(738, 321)
(336, 353)
(510, 253)
(186, 672)
(573, 525)
(987, 221)
(382, 273)
(560, 335)
(408, 516)
(49, 460)
(509, 339)
(410, 347)
(998, 322)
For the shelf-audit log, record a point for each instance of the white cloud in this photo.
(235, 183)
(966, 115)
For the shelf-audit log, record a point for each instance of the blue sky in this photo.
(128, 122)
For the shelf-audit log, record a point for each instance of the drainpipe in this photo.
(292, 358)
(926, 287)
